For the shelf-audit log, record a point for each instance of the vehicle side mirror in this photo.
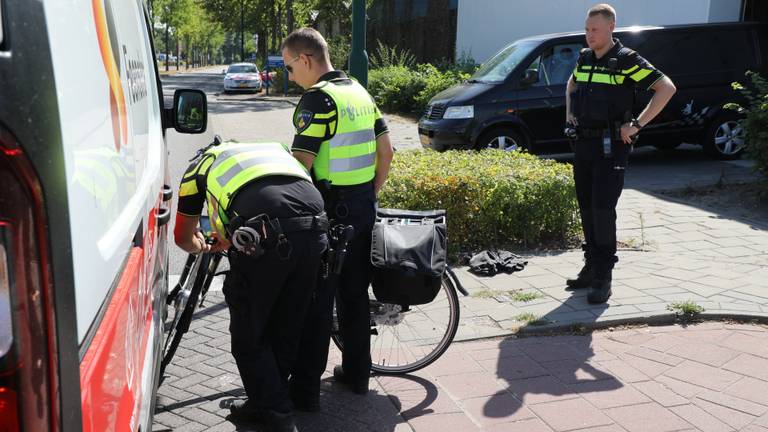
(190, 111)
(531, 77)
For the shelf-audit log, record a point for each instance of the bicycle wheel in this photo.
(404, 341)
(184, 305)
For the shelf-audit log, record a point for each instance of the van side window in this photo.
(715, 51)
(555, 65)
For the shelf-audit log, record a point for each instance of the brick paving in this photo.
(708, 376)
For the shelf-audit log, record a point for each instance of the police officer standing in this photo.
(264, 208)
(342, 139)
(599, 102)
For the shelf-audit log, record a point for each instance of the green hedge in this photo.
(756, 122)
(493, 198)
(278, 83)
(403, 90)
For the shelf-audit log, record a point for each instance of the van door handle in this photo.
(167, 193)
(163, 216)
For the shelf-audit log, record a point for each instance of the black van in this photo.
(517, 98)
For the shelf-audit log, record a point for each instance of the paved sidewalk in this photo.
(707, 377)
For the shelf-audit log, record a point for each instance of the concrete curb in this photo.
(652, 320)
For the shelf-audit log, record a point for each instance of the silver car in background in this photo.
(242, 77)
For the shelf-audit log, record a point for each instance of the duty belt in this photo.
(261, 233)
(598, 133)
(304, 223)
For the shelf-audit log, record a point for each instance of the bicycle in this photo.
(194, 282)
(405, 339)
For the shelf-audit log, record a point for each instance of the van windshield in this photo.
(499, 66)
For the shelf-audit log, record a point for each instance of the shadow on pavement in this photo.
(687, 166)
(421, 407)
(344, 411)
(545, 369)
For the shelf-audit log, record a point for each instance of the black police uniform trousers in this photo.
(356, 208)
(268, 298)
(599, 181)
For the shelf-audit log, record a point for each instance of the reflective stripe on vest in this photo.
(236, 165)
(349, 157)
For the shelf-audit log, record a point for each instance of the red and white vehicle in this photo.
(84, 207)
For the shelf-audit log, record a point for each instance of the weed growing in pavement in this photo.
(531, 319)
(525, 297)
(685, 310)
(514, 295)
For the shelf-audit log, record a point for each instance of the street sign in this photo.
(275, 61)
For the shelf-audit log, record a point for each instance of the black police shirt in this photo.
(605, 86)
(633, 67)
(276, 196)
(318, 109)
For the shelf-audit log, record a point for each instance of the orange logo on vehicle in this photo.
(109, 55)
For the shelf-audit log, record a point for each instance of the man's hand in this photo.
(628, 132)
(220, 243)
(202, 246)
(571, 119)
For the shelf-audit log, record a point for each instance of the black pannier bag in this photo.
(408, 253)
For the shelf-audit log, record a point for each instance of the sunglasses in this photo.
(288, 66)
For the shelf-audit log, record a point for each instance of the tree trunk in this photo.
(273, 21)
(289, 15)
(167, 51)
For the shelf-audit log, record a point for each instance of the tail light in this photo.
(28, 386)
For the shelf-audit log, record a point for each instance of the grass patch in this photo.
(525, 297)
(531, 319)
(515, 295)
(487, 293)
(687, 309)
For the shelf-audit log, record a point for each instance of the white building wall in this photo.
(486, 26)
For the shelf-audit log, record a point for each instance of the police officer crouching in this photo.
(599, 102)
(264, 208)
(342, 139)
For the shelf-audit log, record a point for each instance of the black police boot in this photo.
(358, 386)
(304, 400)
(243, 412)
(601, 289)
(584, 278)
(278, 422)
(273, 421)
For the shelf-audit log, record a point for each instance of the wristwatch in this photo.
(635, 123)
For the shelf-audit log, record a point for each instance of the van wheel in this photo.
(502, 138)
(725, 137)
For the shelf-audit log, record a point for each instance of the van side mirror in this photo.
(190, 111)
(531, 77)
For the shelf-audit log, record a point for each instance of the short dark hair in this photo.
(603, 9)
(307, 41)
